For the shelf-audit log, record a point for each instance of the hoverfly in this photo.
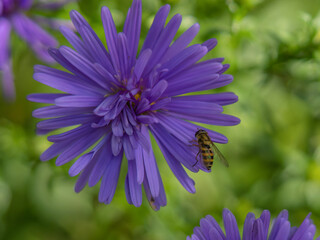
(207, 150)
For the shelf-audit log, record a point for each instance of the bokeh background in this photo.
(273, 47)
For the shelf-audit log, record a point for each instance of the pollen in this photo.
(138, 96)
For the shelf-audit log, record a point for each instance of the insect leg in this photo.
(196, 159)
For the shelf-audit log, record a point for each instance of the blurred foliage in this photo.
(273, 47)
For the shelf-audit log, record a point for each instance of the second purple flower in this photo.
(117, 97)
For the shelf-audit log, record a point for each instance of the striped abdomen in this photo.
(206, 154)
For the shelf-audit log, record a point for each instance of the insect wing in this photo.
(220, 156)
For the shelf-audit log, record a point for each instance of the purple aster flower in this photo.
(254, 229)
(12, 16)
(116, 98)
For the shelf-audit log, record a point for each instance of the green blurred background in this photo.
(273, 47)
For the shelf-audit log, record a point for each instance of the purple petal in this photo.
(71, 135)
(155, 202)
(132, 29)
(214, 235)
(178, 170)
(224, 68)
(78, 101)
(210, 44)
(54, 111)
(116, 145)
(283, 231)
(143, 106)
(141, 63)
(163, 42)
(80, 164)
(134, 186)
(158, 90)
(103, 156)
(146, 119)
(56, 55)
(139, 164)
(216, 226)
(183, 60)
(156, 28)
(84, 176)
(108, 103)
(38, 38)
(222, 99)
(282, 217)
(122, 47)
(198, 234)
(265, 217)
(5, 63)
(116, 126)
(25, 4)
(230, 225)
(83, 65)
(218, 119)
(205, 227)
(185, 131)
(110, 179)
(160, 104)
(182, 42)
(248, 227)
(173, 145)
(64, 81)
(127, 190)
(258, 230)
(125, 123)
(5, 29)
(78, 147)
(80, 23)
(111, 36)
(96, 48)
(128, 149)
(195, 108)
(150, 166)
(45, 97)
(54, 150)
(302, 228)
(198, 71)
(76, 42)
(55, 123)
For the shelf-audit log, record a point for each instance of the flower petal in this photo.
(55, 123)
(80, 164)
(45, 97)
(222, 99)
(248, 227)
(103, 156)
(134, 187)
(5, 29)
(150, 166)
(182, 42)
(163, 42)
(110, 179)
(156, 28)
(178, 170)
(111, 36)
(38, 39)
(230, 225)
(78, 147)
(132, 30)
(218, 119)
(54, 111)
